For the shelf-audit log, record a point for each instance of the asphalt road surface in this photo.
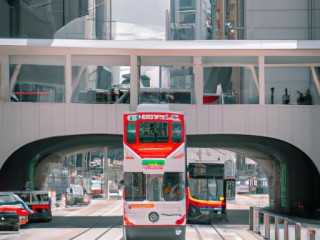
(102, 219)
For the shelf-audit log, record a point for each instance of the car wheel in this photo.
(16, 227)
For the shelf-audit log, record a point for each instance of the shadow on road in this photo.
(79, 222)
(234, 217)
(237, 217)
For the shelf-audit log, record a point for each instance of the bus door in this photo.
(230, 188)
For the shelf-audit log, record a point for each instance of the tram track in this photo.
(200, 235)
(92, 228)
(216, 230)
(220, 232)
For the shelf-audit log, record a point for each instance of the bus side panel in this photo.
(170, 213)
(157, 233)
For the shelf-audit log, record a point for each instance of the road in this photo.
(102, 219)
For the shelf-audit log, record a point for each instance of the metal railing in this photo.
(276, 226)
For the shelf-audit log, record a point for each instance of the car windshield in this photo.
(5, 198)
(14, 200)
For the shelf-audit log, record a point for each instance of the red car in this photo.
(13, 216)
(10, 207)
(23, 214)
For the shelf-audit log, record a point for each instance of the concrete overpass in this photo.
(284, 139)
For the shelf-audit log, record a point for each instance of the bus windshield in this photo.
(154, 187)
(153, 132)
(206, 181)
(205, 188)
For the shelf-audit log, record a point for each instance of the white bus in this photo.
(154, 174)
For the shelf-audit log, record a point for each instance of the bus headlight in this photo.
(153, 217)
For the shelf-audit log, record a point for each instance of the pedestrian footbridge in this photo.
(251, 97)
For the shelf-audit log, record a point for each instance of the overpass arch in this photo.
(16, 169)
(284, 164)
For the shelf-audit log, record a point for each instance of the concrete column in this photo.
(4, 78)
(67, 79)
(198, 80)
(274, 180)
(262, 86)
(199, 21)
(106, 173)
(90, 28)
(134, 82)
(103, 19)
(222, 17)
(312, 234)
(297, 231)
(109, 19)
(277, 189)
(84, 172)
(276, 228)
(266, 221)
(285, 230)
(255, 221)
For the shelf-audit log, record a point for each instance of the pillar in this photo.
(106, 173)
(4, 78)
(262, 93)
(198, 80)
(67, 79)
(134, 82)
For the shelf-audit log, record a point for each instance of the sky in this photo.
(139, 19)
(140, 12)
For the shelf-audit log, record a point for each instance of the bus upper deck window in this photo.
(131, 133)
(151, 132)
(176, 132)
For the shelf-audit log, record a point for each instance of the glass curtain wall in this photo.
(106, 79)
(92, 84)
(166, 79)
(230, 85)
(291, 85)
(183, 17)
(100, 79)
(37, 83)
(166, 84)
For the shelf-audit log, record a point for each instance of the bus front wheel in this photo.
(125, 236)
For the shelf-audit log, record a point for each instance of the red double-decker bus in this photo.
(154, 173)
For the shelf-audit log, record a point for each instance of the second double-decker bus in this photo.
(207, 191)
(154, 168)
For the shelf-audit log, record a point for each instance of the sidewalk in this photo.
(244, 201)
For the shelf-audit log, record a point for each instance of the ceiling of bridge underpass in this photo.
(86, 172)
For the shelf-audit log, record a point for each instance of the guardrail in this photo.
(276, 226)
